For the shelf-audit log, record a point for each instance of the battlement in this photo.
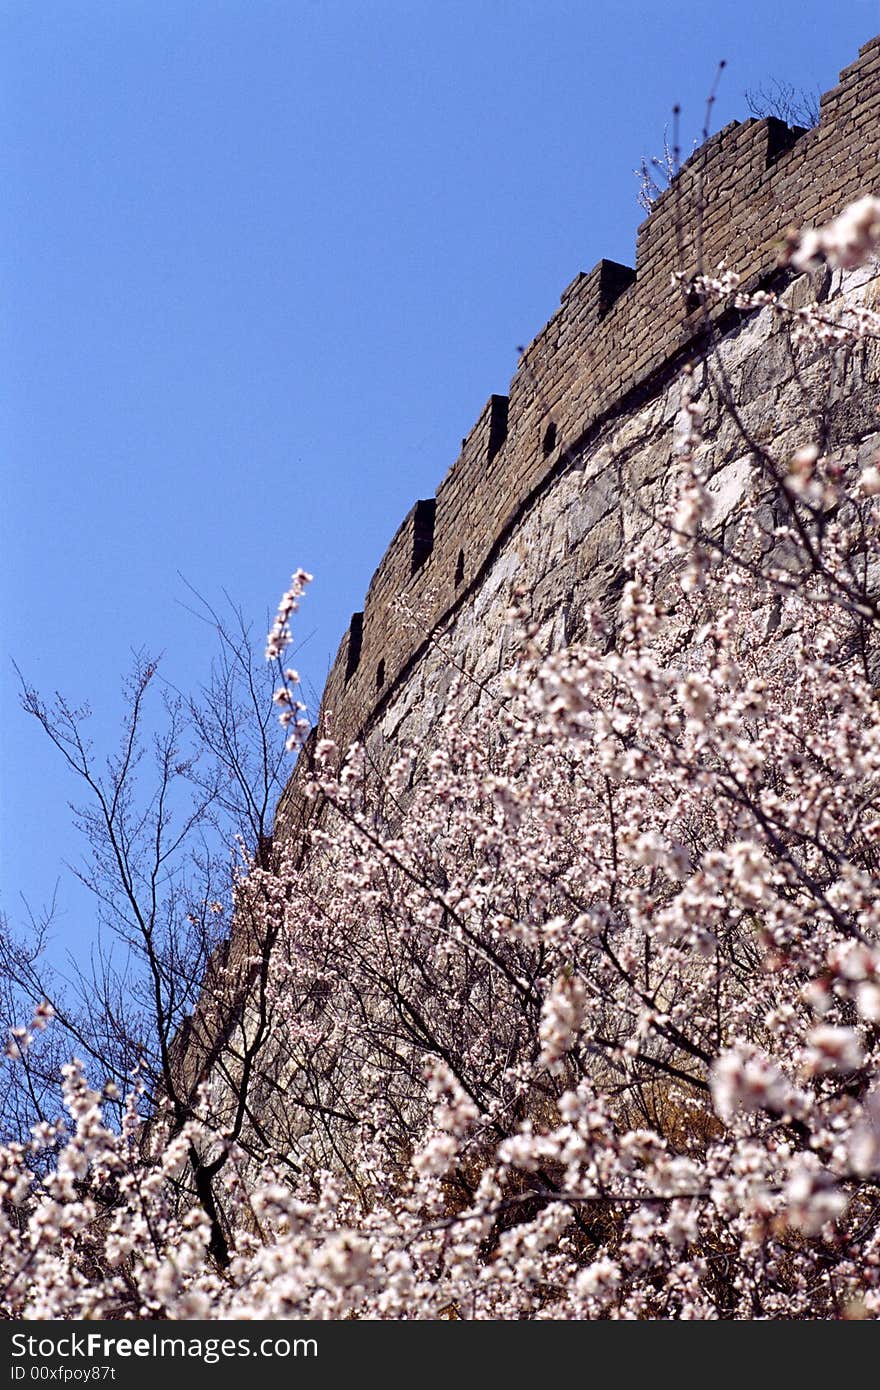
(617, 329)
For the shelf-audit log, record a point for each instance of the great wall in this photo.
(557, 480)
(557, 477)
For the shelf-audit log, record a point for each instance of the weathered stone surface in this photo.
(592, 520)
(729, 487)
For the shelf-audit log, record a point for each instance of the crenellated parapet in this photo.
(616, 331)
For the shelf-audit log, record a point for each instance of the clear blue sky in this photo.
(262, 263)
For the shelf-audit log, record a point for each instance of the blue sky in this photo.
(262, 262)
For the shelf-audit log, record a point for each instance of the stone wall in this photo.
(567, 553)
(556, 479)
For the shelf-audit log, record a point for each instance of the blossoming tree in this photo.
(581, 1021)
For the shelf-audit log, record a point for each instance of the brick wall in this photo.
(617, 331)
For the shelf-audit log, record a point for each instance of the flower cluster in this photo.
(292, 710)
(279, 638)
(846, 242)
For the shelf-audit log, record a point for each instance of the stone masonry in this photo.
(556, 479)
